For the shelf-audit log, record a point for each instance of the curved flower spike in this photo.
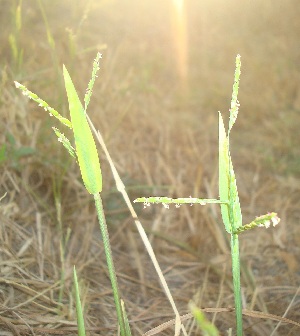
(261, 221)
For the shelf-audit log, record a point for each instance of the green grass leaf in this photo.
(126, 322)
(13, 46)
(234, 202)
(224, 173)
(19, 17)
(85, 145)
(3, 154)
(80, 319)
(204, 324)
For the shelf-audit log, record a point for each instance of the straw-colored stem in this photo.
(109, 260)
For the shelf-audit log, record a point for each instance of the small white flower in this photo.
(275, 220)
(146, 204)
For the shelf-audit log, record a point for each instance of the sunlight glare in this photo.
(179, 31)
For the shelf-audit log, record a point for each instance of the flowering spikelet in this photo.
(165, 201)
(43, 104)
(261, 221)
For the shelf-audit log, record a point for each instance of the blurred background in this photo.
(167, 68)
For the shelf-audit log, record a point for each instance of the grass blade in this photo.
(224, 173)
(85, 145)
(204, 324)
(234, 202)
(80, 319)
(126, 322)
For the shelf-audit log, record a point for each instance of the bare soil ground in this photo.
(160, 126)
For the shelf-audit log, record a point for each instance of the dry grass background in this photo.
(162, 136)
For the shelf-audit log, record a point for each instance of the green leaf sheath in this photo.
(109, 261)
(224, 173)
(231, 214)
(234, 202)
(85, 145)
(236, 275)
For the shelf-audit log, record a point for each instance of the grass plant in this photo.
(85, 152)
(228, 199)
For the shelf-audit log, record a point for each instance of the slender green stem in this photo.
(236, 274)
(109, 260)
